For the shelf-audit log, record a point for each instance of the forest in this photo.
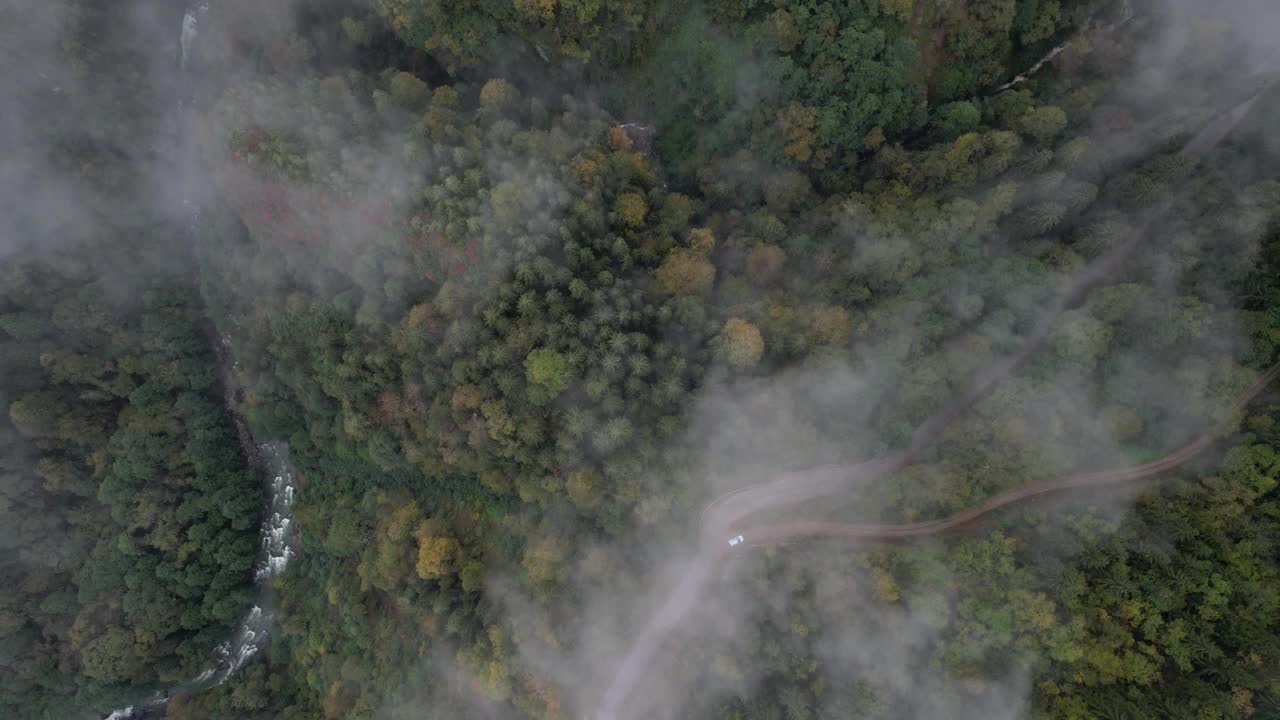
(528, 288)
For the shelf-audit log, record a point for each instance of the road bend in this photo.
(791, 488)
(798, 530)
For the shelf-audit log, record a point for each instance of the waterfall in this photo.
(1126, 14)
(277, 538)
(188, 35)
(190, 27)
(1035, 68)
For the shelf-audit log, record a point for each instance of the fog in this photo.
(835, 438)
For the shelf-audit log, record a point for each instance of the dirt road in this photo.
(715, 549)
(791, 531)
(728, 515)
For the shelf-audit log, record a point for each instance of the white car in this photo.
(735, 540)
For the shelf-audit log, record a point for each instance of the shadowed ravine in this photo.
(271, 459)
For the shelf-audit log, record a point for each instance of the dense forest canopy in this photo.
(128, 513)
(528, 287)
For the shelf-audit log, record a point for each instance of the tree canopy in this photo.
(525, 286)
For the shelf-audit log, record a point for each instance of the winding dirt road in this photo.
(791, 531)
(731, 511)
(796, 487)
(714, 549)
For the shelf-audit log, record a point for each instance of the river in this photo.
(278, 538)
